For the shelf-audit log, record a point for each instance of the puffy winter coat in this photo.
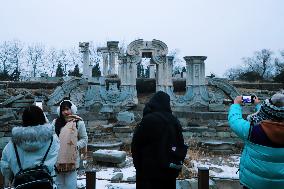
(150, 143)
(261, 165)
(32, 143)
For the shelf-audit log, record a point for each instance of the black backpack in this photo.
(177, 150)
(37, 177)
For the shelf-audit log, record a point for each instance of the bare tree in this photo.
(35, 57)
(52, 58)
(5, 54)
(260, 63)
(16, 55)
(178, 62)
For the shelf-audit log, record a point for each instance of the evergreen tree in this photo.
(96, 72)
(75, 72)
(4, 76)
(147, 72)
(59, 71)
(15, 76)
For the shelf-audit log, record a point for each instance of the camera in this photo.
(248, 99)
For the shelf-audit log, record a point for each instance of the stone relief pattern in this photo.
(216, 96)
(225, 86)
(114, 96)
(63, 91)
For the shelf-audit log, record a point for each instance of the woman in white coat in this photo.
(71, 131)
(32, 140)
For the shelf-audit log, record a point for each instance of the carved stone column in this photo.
(113, 50)
(152, 70)
(105, 63)
(84, 48)
(169, 70)
(195, 70)
(196, 89)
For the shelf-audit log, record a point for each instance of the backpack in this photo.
(37, 177)
(177, 150)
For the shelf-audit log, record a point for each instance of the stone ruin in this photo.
(116, 91)
(111, 107)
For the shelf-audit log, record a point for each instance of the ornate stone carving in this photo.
(158, 49)
(64, 91)
(225, 86)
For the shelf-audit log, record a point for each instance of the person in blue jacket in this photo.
(262, 160)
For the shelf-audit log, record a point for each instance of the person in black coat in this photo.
(157, 134)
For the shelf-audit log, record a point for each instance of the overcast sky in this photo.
(223, 30)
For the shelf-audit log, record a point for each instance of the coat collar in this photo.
(32, 138)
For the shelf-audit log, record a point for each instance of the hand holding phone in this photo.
(248, 99)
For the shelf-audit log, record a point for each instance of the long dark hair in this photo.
(60, 121)
(33, 116)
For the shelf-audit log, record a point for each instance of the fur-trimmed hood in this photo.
(32, 138)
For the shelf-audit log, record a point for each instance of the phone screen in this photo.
(247, 99)
(39, 104)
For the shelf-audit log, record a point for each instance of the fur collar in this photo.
(32, 138)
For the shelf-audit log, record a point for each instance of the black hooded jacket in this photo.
(153, 137)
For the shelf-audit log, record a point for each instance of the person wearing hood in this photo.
(32, 140)
(151, 142)
(71, 131)
(262, 160)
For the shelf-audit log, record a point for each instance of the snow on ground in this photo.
(221, 167)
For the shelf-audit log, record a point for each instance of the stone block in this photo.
(195, 129)
(105, 145)
(217, 108)
(209, 134)
(109, 156)
(227, 183)
(124, 135)
(122, 129)
(117, 177)
(97, 122)
(12, 99)
(223, 134)
(125, 117)
(2, 134)
(191, 134)
(7, 117)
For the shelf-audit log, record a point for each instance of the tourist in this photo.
(70, 129)
(158, 135)
(33, 140)
(262, 160)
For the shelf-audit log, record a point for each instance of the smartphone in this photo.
(38, 104)
(248, 99)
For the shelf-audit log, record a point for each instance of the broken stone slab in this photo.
(111, 156)
(222, 183)
(192, 184)
(20, 105)
(125, 117)
(12, 99)
(219, 146)
(131, 179)
(117, 177)
(105, 145)
(7, 117)
(122, 129)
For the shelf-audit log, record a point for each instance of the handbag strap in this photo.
(43, 160)
(17, 156)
